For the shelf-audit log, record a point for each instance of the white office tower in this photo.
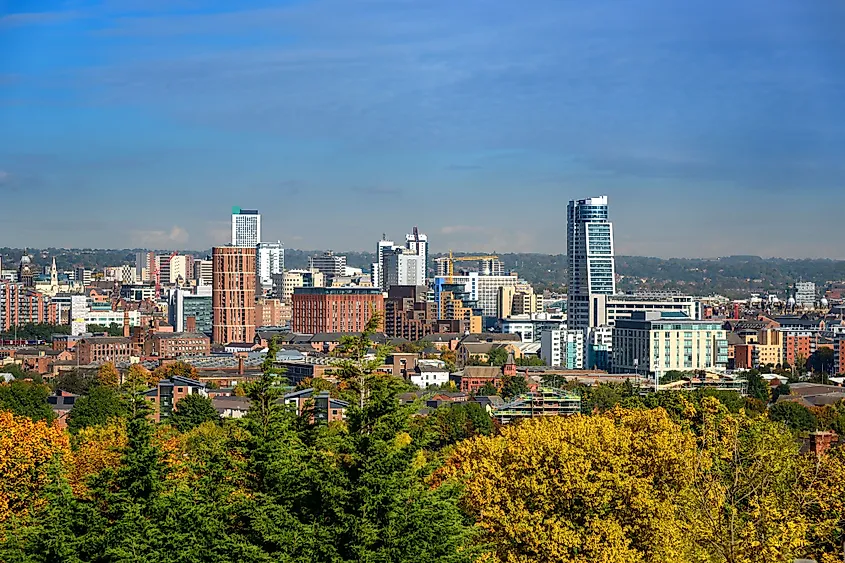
(592, 270)
(417, 243)
(270, 258)
(401, 267)
(383, 247)
(246, 227)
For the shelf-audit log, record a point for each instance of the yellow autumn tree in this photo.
(578, 489)
(743, 505)
(174, 369)
(138, 374)
(108, 375)
(95, 448)
(27, 450)
(822, 490)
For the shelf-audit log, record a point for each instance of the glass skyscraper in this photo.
(590, 255)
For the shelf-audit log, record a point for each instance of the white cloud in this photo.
(160, 239)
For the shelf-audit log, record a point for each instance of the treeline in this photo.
(670, 477)
(733, 276)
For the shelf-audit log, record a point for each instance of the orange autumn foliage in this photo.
(96, 448)
(27, 449)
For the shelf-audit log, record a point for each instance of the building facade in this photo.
(409, 314)
(233, 294)
(805, 295)
(102, 349)
(246, 227)
(329, 263)
(292, 279)
(605, 310)
(191, 310)
(20, 304)
(271, 262)
(590, 255)
(177, 344)
(203, 271)
(334, 309)
(563, 348)
(651, 343)
(530, 328)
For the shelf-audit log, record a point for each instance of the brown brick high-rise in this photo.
(233, 294)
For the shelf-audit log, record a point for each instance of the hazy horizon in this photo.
(715, 128)
(433, 251)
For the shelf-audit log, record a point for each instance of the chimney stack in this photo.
(191, 324)
(125, 322)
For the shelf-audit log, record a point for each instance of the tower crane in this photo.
(450, 263)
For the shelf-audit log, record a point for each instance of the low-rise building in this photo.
(167, 394)
(545, 401)
(654, 342)
(177, 344)
(429, 373)
(322, 407)
(102, 349)
(531, 327)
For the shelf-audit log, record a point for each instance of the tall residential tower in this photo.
(246, 227)
(592, 269)
(233, 294)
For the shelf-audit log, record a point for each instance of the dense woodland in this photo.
(668, 477)
(732, 276)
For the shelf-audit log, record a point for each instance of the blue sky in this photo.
(715, 127)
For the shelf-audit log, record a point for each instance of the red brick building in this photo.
(177, 344)
(102, 349)
(798, 344)
(334, 309)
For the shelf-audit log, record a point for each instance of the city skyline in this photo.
(708, 126)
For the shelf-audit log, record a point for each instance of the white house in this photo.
(430, 372)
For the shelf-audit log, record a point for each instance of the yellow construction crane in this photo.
(450, 263)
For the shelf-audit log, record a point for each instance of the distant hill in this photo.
(733, 276)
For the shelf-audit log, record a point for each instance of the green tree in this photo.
(605, 397)
(780, 390)
(795, 415)
(25, 398)
(497, 356)
(75, 381)
(530, 361)
(487, 389)
(18, 372)
(96, 408)
(356, 367)
(192, 411)
(513, 386)
(821, 361)
(758, 388)
(459, 421)
(112, 330)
